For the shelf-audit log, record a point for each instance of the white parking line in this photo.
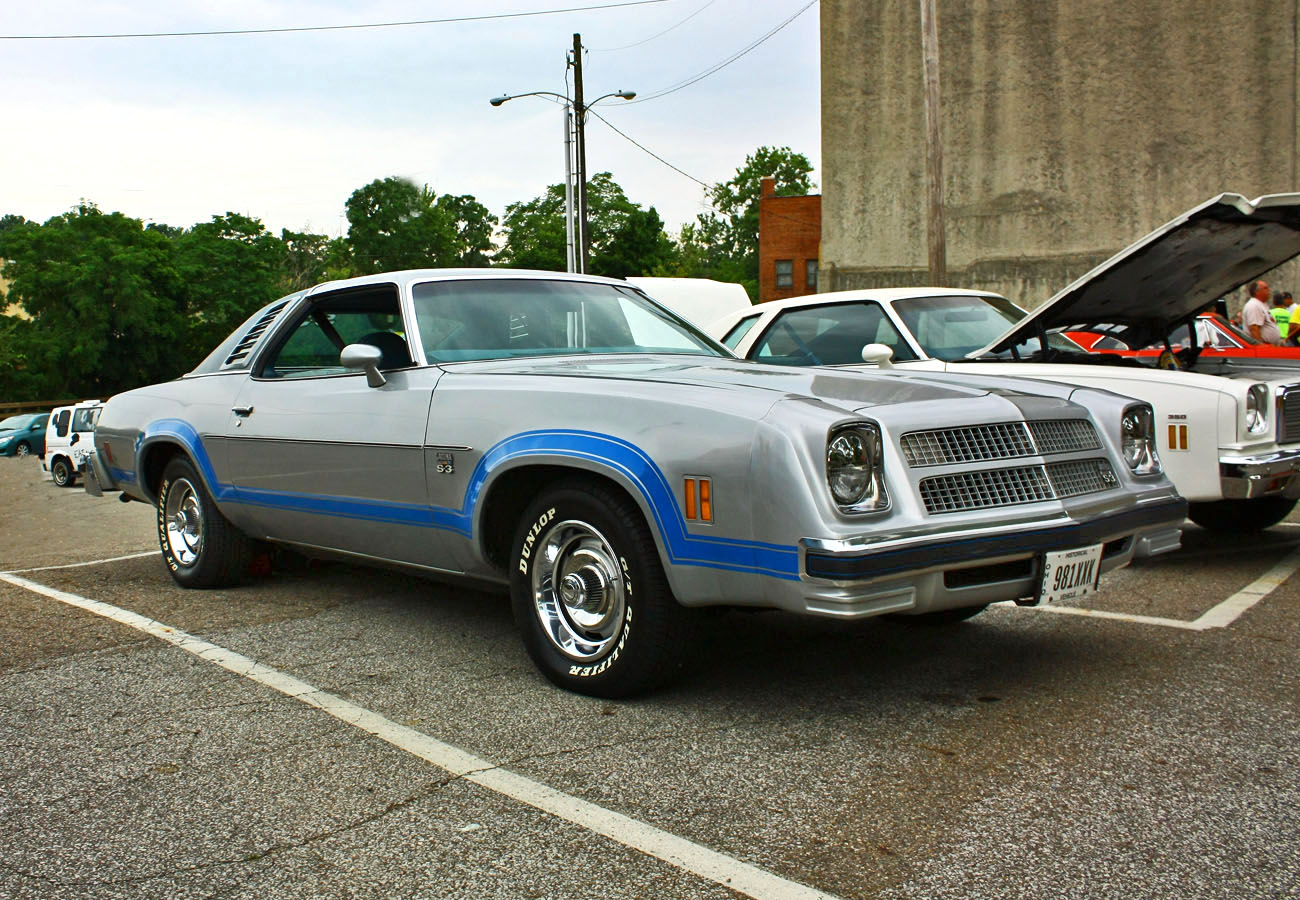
(1220, 616)
(731, 873)
(93, 562)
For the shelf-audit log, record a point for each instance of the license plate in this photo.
(1070, 574)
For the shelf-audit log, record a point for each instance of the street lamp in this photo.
(575, 120)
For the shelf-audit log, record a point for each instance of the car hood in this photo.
(1173, 272)
(851, 390)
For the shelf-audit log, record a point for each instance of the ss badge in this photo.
(446, 464)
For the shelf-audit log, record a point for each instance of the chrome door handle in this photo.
(242, 411)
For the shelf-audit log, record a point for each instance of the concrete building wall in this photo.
(1070, 129)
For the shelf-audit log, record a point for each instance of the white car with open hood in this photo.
(1229, 430)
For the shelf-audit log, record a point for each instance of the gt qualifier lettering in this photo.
(527, 551)
(1073, 575)
(162, 527)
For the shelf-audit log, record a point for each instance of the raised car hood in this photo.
(1174, 271)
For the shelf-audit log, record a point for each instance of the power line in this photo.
(660, 34)
(708, 187)
(645, 149)
(726, 62)
(298, 29)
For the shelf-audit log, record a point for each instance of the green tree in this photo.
(474, 226)
(312, 258)
(105, 304)
(723, 244)
(535, 233)
(231, 266)
(393, 224)
(624, 238)
(638, 246)
(10, 221)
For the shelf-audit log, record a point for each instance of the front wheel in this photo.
(200, 547)
(589, 593)
(61, 472)
(1240, 515)
(23, 449)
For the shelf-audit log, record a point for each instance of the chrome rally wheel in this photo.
(199, 545)
(578, 591)
(589, 592)
(184, 518)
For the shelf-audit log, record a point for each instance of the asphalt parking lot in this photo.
(326, 731)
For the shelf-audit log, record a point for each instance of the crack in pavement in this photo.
(276, 849)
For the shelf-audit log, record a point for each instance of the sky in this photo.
(285, 126)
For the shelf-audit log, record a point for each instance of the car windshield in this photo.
(950, 328)
(469, 319)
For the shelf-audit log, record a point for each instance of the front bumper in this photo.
(946, 573)
(1247, 477)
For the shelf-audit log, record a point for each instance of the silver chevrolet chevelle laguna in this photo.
(568, 437)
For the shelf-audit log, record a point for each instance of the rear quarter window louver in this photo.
(239, 355)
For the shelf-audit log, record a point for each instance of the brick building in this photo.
(789, 243)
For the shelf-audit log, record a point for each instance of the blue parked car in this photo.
(24, 434)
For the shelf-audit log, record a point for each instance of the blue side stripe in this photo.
(683, 547)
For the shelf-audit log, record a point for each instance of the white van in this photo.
(69, 440)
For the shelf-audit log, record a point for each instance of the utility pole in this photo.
(570, 257)
(579, 125)
(935, 228)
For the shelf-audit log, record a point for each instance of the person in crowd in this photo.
(1255, 315)
(1281, 313)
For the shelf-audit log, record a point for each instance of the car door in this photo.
(320, 458)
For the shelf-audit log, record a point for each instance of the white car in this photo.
(1230, 441)
(69, 441)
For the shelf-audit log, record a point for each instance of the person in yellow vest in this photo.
(1282, 313)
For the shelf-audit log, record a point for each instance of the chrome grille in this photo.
(998, 440)
(1081, 476)
(1288, 426)
(1008, 487)
(1001, 440)
(1064, 435)
(980, 490)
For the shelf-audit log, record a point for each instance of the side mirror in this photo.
(76, 436)
(366, 357)
(880, 354)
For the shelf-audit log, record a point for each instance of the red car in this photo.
(1215, 336)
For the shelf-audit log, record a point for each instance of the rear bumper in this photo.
(98, 476)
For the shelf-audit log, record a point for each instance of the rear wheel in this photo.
(61, 472)
(1240, 515)
(200, 547)
(589, 593)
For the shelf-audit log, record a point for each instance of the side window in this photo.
(738, 331)
(311, 346)
(61, 422)
(1212, 337)
(84, 419)
(829, 336)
